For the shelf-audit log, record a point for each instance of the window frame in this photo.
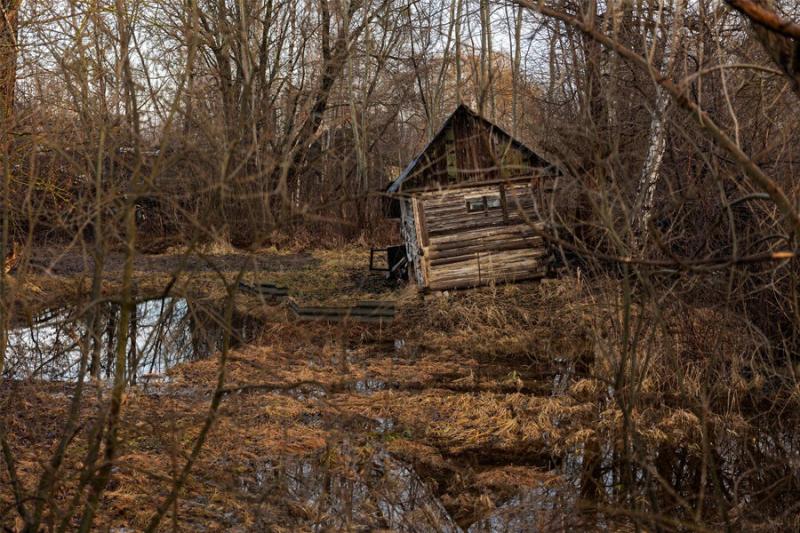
(476, 204)
(494, 197)
(483, 202)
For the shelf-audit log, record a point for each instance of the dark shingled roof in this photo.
(462, 108)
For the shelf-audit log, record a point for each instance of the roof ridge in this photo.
(398, 181)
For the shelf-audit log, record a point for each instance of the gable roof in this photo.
(461, 109)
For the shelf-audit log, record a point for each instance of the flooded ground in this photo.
(491, 411)
(163, 333)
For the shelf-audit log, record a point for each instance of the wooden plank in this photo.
(504, 202)
(523, 179)
(459, 209)
(443, 196)
(344, 311)
(452, 162)
(458, 201)
(492, 261)
(482, 218)
(468, 283)
(345, 318)
(354, 315)
(363, 311)
(490, 237)
(474, 272)
(452, 260)
(466, 235)
(465, 223)
(463, 217)
(409, 233)
(423, 221)
(423, 238)
(530, 243)
(264, 289)
(422, 233)
(455, 229)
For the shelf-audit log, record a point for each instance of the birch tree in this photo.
(648, 182)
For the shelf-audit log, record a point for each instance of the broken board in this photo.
(365, 311)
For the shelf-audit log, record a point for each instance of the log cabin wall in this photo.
(469, 204)
(479, 235)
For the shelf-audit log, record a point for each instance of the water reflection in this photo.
(163, 332)
(354, 492)
(547, 507)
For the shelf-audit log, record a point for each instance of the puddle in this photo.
(539, 508)
(369, 385)
(365, 488)
(304, 392)
(384, 426)
(342, 492)
(163, 332)
(564, 375)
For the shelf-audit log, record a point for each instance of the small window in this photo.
(483, 203)
(474, 205)
(492, 202)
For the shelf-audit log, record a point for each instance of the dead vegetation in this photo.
(490, 396)
(164, 152)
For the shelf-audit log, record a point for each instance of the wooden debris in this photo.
(264, 289)
(364, 311)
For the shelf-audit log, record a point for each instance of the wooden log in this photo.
(474, 271)
(490, 265)
(344, 318)
(466, 223)
(482, 275)
(440, 285)
(520, 181)
(465, 235)
(460, 212)
(459, 205)
(335, 311)
(489, 260)
(439, 265)
(493, 237)
(372, 308)
(434, 198)
(455, 229)
(264, 289)
(493, 246)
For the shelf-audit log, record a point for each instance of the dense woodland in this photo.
(155, 143)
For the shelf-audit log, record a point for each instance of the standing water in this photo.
(163, 332)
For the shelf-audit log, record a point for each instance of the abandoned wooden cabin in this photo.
(469, 204)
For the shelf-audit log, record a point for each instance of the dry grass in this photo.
(491, 393)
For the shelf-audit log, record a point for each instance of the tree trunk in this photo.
(8, 82)
(651, 172)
